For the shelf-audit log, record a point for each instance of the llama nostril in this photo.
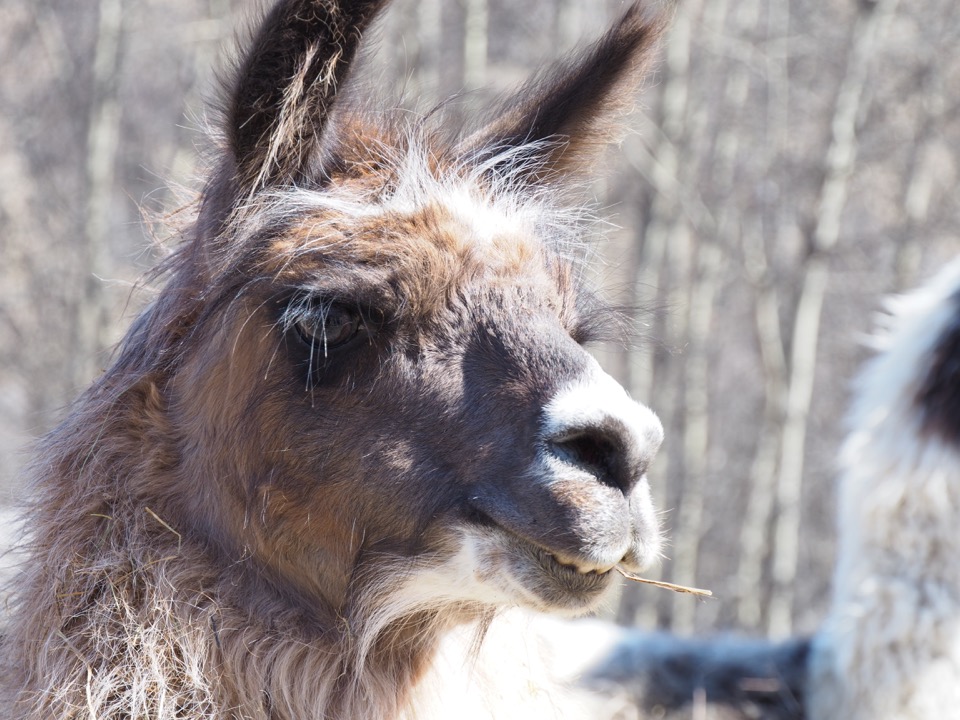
(593, 424)
(598, 452)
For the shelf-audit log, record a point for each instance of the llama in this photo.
(890, 647)
(356, 423)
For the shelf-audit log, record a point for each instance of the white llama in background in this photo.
(890, 647)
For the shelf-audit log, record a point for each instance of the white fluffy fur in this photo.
(525, 668)
(890, 648)
(487, 210)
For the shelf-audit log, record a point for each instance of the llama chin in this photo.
(356, 424)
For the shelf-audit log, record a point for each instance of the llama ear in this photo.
(561, 119)
(285, 86)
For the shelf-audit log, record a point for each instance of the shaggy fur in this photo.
(890, 647)
(354, 426)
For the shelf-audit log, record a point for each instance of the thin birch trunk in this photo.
(451, 53)
(754, 539)
(690, 516)
(656, 274)
(666, 248)
(760, 502)
(647, 288)
(917, 197)
(840, 159)
(569, 22)
(476, 23)
(695, 404)
(102, 140)
(430, 28)
(684, 219)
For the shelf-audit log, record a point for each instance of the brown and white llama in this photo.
(357, 421)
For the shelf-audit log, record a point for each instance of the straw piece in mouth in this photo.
(668, 586)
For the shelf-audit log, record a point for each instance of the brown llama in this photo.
(357, 421)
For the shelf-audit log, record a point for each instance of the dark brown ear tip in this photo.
(634, 40)
(288, 75)
(646, 22)
(569, 112)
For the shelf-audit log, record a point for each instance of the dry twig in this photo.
(668, 586)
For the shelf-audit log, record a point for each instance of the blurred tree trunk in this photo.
(476, 27)
(821, 241)
(431, 28)
(754, 532)
(568, 19)
(451, 51)
(102, 140)
(920, 184)
(662, 268)
(691, 517)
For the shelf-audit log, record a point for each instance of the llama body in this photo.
(357, 422)
(890, 647)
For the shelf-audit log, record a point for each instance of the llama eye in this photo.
(329, 328)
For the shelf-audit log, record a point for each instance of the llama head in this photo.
(371, 347)
(908, 395)
(898, 483)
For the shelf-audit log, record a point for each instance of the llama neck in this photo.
(389, 677)
(166, 626)
(171, 639)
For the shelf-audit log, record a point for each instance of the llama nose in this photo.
(594, 426)
(599, 451)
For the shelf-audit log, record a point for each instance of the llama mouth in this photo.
(563, 565)
(558, 580)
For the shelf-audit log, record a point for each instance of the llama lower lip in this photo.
(570, 580)
(561, 581)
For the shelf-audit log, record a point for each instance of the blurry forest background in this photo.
(793, 161)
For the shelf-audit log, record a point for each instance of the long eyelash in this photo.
(306, 307)
(302, 307)
(618, 324)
